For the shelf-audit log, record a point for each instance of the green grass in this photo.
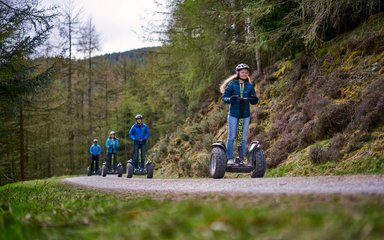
(47, 209)
(300, 165)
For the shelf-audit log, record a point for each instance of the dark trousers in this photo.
(94, 163)
(109, 161)
(136, 146)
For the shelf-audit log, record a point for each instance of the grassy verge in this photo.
(47, 209)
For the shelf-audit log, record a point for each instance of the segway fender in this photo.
(219, 144)
(130, 161)
(254, 146)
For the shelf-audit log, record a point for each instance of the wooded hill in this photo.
(318, 68)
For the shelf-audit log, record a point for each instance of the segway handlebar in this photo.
(248, 98)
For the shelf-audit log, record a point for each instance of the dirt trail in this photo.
(371, 184)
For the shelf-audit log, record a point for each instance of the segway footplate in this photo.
(239, 168)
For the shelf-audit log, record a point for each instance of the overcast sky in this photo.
(121, 23)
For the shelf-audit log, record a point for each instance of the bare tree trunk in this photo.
(82, 127)
(69, 32)
(106, 101)
(12, 167)
(258, 62)
(89, 42)
(21, 142)
(49, 151)
(90, 92)
(71, 136)
(125, 77)
(41, 171)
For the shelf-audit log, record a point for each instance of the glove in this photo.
(234, 98)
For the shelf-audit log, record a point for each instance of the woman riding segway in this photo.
(239, 93)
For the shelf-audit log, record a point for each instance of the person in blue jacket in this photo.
(95, 151)
(239, 93)
(139, 133)
(112, 144)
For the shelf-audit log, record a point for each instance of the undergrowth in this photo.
(47, 209)
(334, 94)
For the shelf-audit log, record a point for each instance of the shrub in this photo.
(320, 155)
(307, 135)
(207, 141)
(369, 113)
(334, 119)
(282, 148)
(261, 113)
(216, 120)
(183, 136)
(160, 150)
(357, 140)
(313, 104)
(280, 121)
(200, 164)
(185, 165)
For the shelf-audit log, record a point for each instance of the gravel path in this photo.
(371, 184)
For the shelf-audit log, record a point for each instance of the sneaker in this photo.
(241, 162)
(135, 170)
(230, 162)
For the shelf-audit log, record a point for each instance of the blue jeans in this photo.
(136, 146)
(109, 161)
(233, 123)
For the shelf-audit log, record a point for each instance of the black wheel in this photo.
(120, 170)
(104, 171)
(258, 159)
(150, 170)
(129, 170)
(89, 173)
(217, 162)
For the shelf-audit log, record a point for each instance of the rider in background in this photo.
(139, 133)
(95, 151)
(112, 144)
(234, 89)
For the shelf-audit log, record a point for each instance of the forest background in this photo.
(317, 66)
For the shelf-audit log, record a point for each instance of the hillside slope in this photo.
(320, 114)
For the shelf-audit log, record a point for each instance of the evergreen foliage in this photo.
(55, 112)
(23, 27)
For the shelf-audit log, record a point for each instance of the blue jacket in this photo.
(95, 149)
(112, 145)
(237, 108)
(139, 132)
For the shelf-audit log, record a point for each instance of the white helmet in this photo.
(95, 140)
(242, 66)
(112, 132)
(138, 116)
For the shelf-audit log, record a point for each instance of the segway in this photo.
(104, 169)
(90, 173)
(147, 171)
(255, 163)
(218, 161)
